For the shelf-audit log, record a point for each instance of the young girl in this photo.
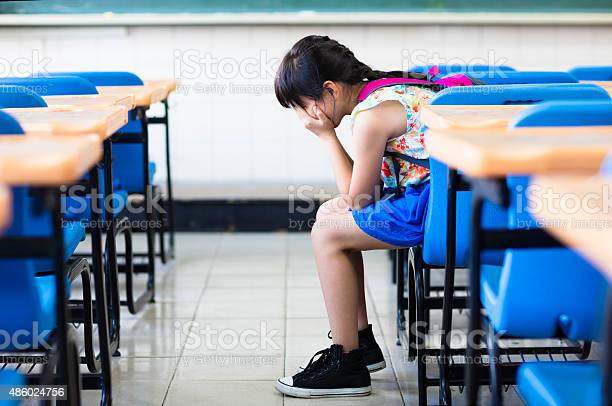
(321, 80)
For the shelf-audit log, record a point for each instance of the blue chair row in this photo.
(19, 96)
(540, 292)
(436, 250)
(36, 285)
(598, 73)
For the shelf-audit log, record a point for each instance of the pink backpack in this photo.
(436, 85)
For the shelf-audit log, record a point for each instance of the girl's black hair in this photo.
(315, 59)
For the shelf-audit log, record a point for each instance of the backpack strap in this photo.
(373, 85)
(417, 161)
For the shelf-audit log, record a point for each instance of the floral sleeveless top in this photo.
(413, 98)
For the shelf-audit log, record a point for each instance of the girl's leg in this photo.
(337, 240)
(362, 313)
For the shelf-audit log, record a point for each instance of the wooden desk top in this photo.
(468, 116)
(587, 228)
(59, 103)
(521, 151)
(5, 207)
(46, 161)
(104, 121)
(168, 84)
(143, 95)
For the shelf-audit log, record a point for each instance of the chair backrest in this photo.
(434, 244)
(19, 97)
(520, 94)
(501, 77)
(104, 78)
(8, 125)
(565, 114)
(459, 68)
(602, 73)
(53, 86)
(18, 288)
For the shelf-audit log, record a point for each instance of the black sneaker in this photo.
(372, 354)
(336, 374)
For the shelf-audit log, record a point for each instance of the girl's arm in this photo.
(371, 131)
(323, 128)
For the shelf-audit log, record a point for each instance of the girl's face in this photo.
(330, 104)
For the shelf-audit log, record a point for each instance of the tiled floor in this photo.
(236, 311)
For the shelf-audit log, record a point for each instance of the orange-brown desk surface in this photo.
(468, 116)
(168, 84)
(89, 100)
(521, 151)
(587, 226)
(104, 121)
(47, 161)
(143, 95)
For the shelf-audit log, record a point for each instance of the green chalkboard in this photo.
(211, 6)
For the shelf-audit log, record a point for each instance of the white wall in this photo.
(246, 144)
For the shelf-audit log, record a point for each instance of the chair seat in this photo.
(560, 383)
(74, 233)
(43, 315)
(11, 378)
(489, 288)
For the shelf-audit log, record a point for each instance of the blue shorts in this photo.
(397, 219)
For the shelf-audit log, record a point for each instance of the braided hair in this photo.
(315, 59)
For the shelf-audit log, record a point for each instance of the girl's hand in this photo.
(320, 124)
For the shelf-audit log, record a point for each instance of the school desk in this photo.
(486, 158)
(168, 85)
(587, 227)
(469, 116)
(144, 96)
(521, 150)
(104, 121)
(89, 101)
(47, 161)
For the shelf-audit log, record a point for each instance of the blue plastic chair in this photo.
(460, 68)
(8, 125)
(104, 78)
(500, 77)
(519, 94)
(53, 86)
(19, 97)
(128, 164)
(11, 378)
(565, 114)
(601, 73)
